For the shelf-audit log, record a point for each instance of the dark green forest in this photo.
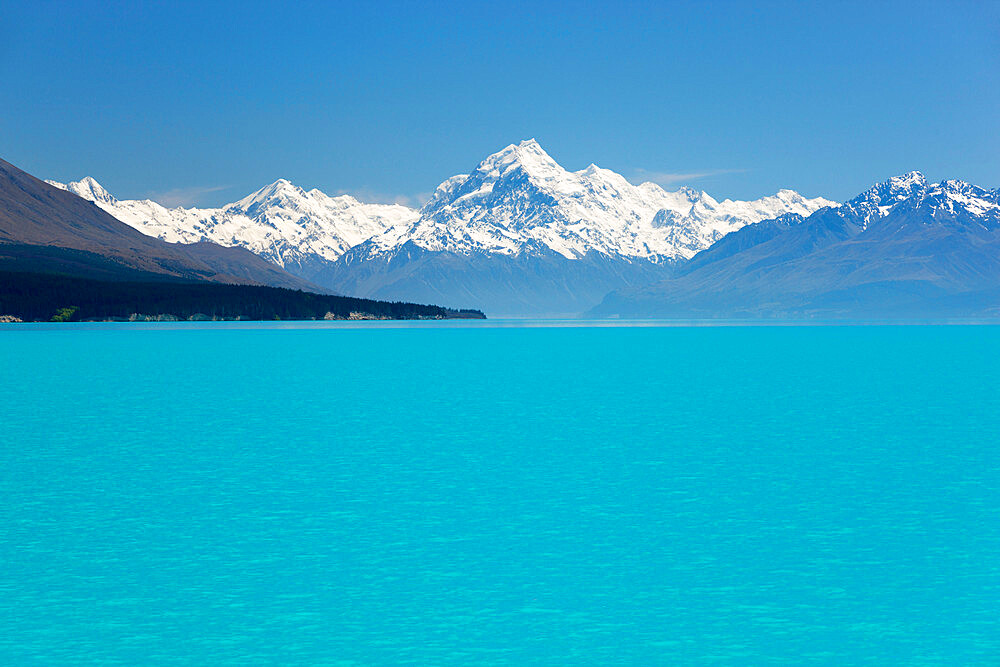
(43, 297)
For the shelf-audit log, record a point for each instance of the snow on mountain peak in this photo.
(877, 201)
(280, 189)
(517, 200)
(96, 189)
(954, 197)
(527, 155)
(908, 181)
(520, 199)
(280, 221)
(88, 188)
(911, 190)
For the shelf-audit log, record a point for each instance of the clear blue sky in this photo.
(203, 103)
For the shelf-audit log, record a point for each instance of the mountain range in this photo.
(521, 235)
(297, 230)
(904, 248)
(517, 235)
(62, 257)
(44, 228)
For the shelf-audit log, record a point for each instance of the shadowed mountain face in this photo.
(902, 249)
(542, 283)
(43, 228)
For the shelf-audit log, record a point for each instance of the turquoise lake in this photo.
(499, 493)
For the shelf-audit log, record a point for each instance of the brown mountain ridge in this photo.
(42, 226)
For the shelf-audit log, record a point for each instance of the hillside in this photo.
(904, 248)
(45, 297)
(36, 214)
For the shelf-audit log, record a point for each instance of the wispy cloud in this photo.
(370, 196)
(184, 196)
(666, 179)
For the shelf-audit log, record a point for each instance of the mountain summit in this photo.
(903, 247)
(521, 234)
(520, 199)
(90, 189)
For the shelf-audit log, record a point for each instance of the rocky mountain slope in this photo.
(904, 248)
(43, 228)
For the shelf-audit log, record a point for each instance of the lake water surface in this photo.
(499, 493)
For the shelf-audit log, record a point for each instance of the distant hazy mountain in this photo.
(904, 248)
(520, 234)
(45, 229)
(298, 230)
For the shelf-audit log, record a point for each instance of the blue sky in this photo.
(205, 102)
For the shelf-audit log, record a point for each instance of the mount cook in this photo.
(518, 235)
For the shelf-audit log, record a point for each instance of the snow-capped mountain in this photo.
(911, 191)
(876, 202)
(520, 199)
(521, 235)
(518, 234)
(45, 230)
(901, 248)
(946, 201)
(281, 222)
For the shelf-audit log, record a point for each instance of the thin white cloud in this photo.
(667, 179)
(184, 196)
(370, 196)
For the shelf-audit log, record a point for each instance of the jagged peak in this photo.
(88, 188)
(955, 194)
(908, 179)
(956, 185)
(528, 154)
(281, 185)
(277, 189)
(911, 190)
(892, 190)
(90, 182)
